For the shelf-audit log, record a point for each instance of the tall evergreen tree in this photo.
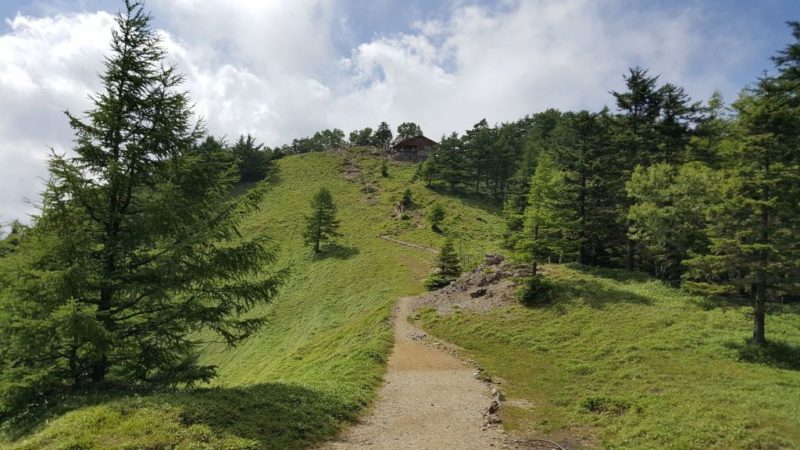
(136, 248)
(678, 117)
(447, 162)
(635, 135)
(253, 159)
(755, 228)
(536, 138)
(382, 136)
(581, 148)
(322, 225)
(713, 126)
(549, 225)
(478, 144)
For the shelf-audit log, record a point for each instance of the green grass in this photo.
(628, 362)
(319, 360)
(619, 358)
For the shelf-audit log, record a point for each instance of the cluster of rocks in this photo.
(489, 285)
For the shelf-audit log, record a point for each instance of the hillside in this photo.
(321, 356)
(619, 360)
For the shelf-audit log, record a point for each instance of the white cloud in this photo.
(270, 68)
(49, 65)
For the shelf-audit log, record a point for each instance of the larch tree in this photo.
(668, 216)
(136, 248)
(755, 229)
(448, 267)
(549, 224)
(322, 224)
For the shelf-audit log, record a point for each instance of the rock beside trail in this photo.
(489, 285)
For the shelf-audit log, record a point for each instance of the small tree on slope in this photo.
(448, 267)
(322, 224)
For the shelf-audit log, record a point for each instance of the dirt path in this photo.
(430, 401)
(410, 244)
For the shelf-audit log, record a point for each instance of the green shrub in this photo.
(384, 169)
(407, 198)
(600, 405)
(535, 292)
(436, 281)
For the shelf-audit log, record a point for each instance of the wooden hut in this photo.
(414, 149)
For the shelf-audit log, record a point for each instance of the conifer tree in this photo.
(448, 267)
(549, 225)
(136, 248)
(669, 214)
(253, 159)
(635, 133)
(755, 229)
(322, 225)
(436, 216)
(592, 183)
(382, 136)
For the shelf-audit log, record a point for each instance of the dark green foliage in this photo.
(436, 216)
(136, 248)
(605, 405)
(383, 136)
(448, 267)
(384, 168)
(581, 147)
(407, 200)
(12, 240)
(668, 217)
(253, 159)
(446, 163)
(407, 130)
(322, 225)
(321, 141)
(536, 291)
(549, 227)
(362, 138)
(754, 230)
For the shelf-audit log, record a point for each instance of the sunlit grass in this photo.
(321, 356)
(629, 362)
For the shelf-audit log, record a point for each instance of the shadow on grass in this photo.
(777, 354)
(621, 275)
(336, 251)
(483, 202)
(594, 291)
(271, 415)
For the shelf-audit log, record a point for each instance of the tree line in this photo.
(698, 194)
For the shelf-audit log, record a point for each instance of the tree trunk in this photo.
(582, 256)
(759, 314)
(629, 257)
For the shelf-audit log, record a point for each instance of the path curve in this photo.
(430, 400)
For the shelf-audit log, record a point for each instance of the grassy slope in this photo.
(321, 357)
(632, 363)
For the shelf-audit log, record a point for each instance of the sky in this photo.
(282, 69)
